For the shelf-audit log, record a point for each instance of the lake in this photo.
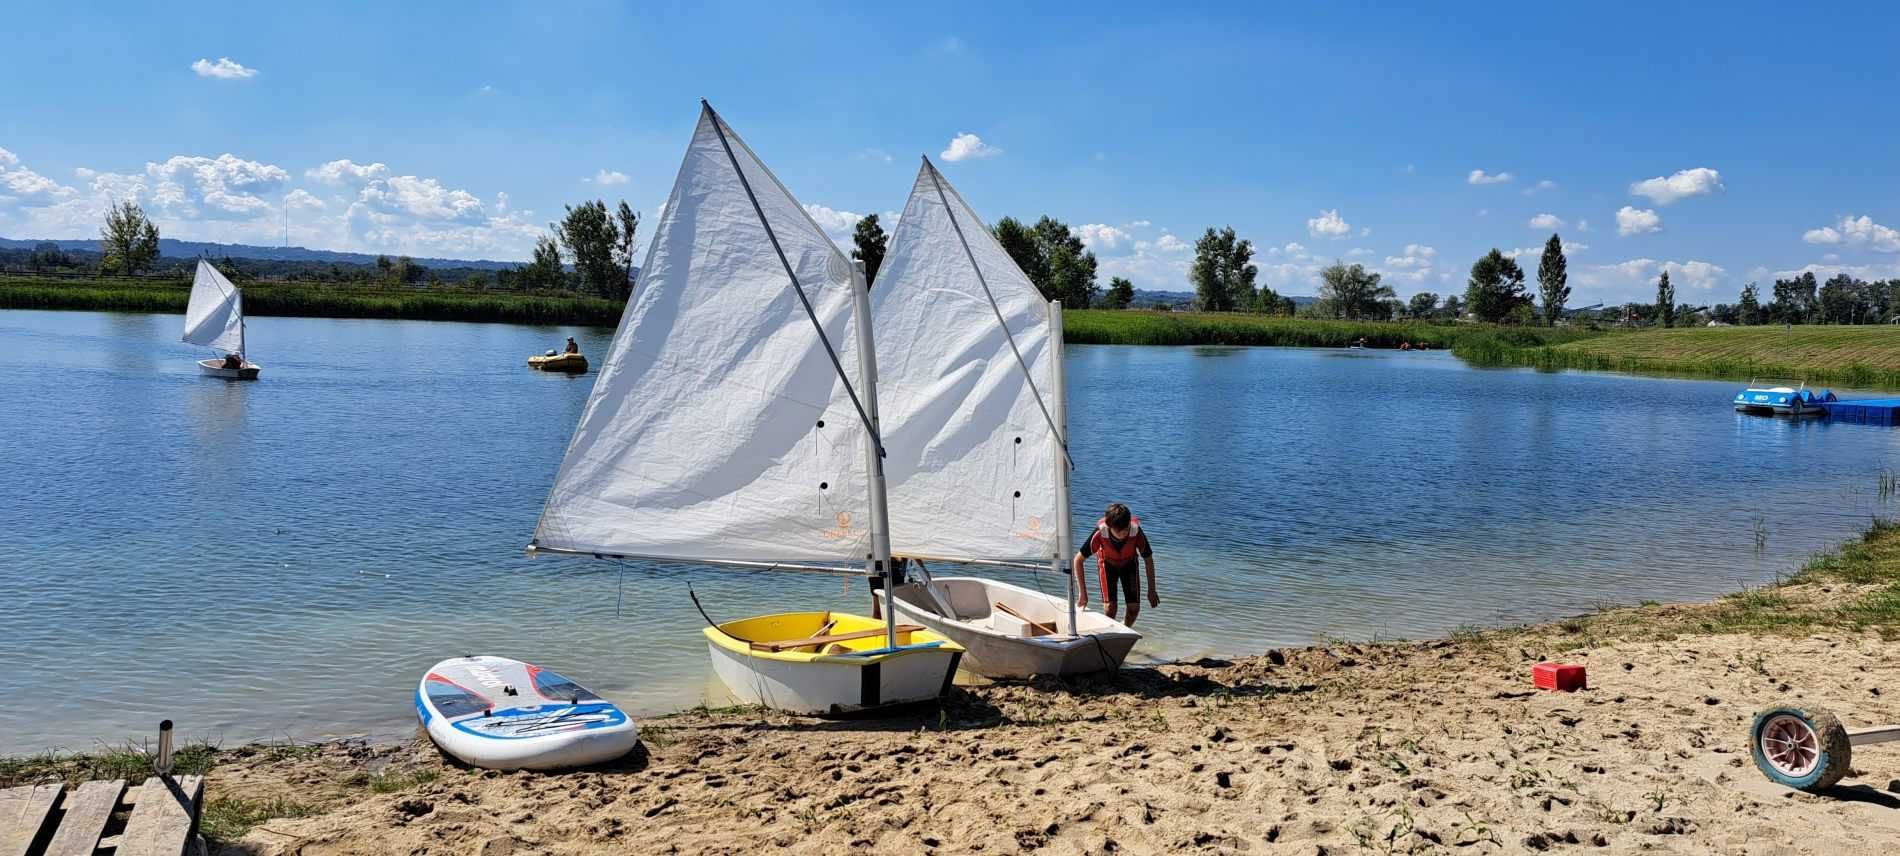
(283, 559)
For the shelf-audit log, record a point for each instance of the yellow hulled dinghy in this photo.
(552, 362)
(830, 662)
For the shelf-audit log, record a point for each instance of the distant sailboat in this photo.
(970, 373)
(727, 427)
(215, 319)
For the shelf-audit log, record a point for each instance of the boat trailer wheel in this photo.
(1805, 748)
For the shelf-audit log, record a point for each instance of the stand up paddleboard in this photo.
(508, 715)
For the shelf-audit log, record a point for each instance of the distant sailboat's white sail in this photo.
(969, 446)
(719, 429)
(215, 316)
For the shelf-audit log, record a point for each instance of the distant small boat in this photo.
(215, 319)
(552, 362)
(1783, 400)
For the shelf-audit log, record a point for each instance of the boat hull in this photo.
(567, 363)
(215, 368)
(1001, 652)
(802, 681)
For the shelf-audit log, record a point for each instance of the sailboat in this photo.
(727, 427)
(215, 319)
(970, 372)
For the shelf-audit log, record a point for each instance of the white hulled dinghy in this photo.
(734, 422)
(215, 319)
(970, 374)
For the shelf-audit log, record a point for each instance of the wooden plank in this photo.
(827, 640)
(87, 810)
(1047, 630)
(23, 812)
(167, 813)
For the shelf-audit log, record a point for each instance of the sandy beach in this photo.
(1415, 747)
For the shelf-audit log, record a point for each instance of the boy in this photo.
(1115, 544)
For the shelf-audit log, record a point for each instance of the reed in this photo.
(1866, 357)
(1141, 327)
(325, 301)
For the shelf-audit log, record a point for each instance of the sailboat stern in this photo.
(216, 368)
(1012, 632)
(830, 662)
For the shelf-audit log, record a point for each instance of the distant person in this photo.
(1116, 543)
(233, 361)
(572, 348)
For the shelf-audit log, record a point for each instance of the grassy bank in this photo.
(1136, 327)
(316, 300)
(1864, 357)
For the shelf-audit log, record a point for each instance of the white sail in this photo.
(215, 316)
(969, 446)
(719, 429)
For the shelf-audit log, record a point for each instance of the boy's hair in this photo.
(1116, 516)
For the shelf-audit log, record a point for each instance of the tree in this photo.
(1748, 311)
(1422, 304)
(869, 242)
(128, 240)
(1353, 292)
(1553, 280)
(47, 255)
(1496, 287)
(629, 225)
(1794, 299)
(545, 270)
(1121, 292)
(1223, 271)
(1053, 257)
(385, 268)
(590, 236)
(1454, 307)
(1840, 300)
(1022, 248)
(1269, 302)
(1666, 300)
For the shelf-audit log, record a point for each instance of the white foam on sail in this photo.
(215, 316)
(969, 451)
(718, 429)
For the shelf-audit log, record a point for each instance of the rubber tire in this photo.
(1836, 751)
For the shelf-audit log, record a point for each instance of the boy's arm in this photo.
(1081, 583)
(1154, 595)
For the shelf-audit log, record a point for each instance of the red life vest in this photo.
(1107, 552)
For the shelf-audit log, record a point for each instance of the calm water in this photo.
(284, 558)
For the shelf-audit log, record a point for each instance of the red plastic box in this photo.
(1559, 677)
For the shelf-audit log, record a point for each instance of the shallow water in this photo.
(284, 558)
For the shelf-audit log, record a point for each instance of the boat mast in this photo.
(1059, 398)
(880, 559)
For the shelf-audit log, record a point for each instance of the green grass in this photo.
(319, 301)
(229, 818)
(1860, 357)
(127, 762)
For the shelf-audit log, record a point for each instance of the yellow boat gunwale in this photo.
(789, 626)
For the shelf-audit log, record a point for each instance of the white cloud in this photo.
(346, 172)
(1635, 280)
(26, 188)
(1546, 221)
(223, 69)
(1570, 249)
(1100, 236)
(1583, 225)
(1479, 176)
(301, 198)
(1170, 244)
(875, 154)
(423, 199)
(1136, 224)
(1293, 248)
(1540, 187)
(1328, 225)
(224, 187)
(968, 146)
(1857, 231)
(1413, 265)
(1700, 181)
(1637, 221)
(608, 176)
(838, 225)
(1358, 252)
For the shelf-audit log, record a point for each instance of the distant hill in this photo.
(172, 248)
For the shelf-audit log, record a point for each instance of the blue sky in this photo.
(1409, 138)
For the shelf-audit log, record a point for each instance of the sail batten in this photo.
(721, 427)
(962, 337)
(214, 317)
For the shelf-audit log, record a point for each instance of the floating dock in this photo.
(1874, 411)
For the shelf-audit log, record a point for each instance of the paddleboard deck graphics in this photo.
(504, 714)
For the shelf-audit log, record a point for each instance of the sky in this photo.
(1723, 143)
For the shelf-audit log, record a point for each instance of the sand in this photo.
(1420, 747)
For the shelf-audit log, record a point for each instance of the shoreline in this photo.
(1398, 747)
